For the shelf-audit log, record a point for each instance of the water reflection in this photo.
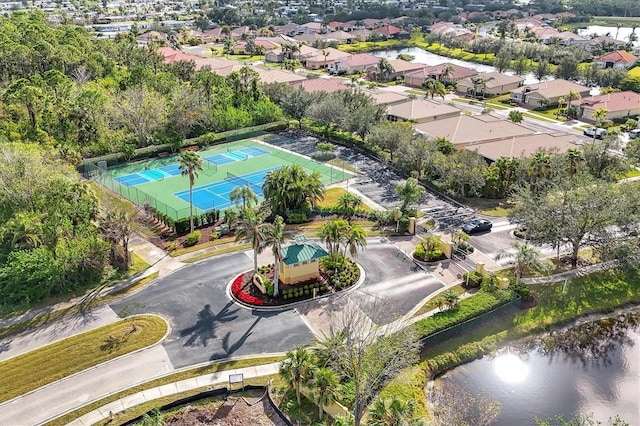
(590, 368)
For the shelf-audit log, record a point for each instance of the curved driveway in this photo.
(206, 326)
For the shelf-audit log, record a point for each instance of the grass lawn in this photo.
(431, 304)
(632, 173)
(331, 197)
(634, 72)
(537, 116)
(224, 250)
(489, 206)
(37, 368)
(176, 377)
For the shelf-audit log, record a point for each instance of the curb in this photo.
(93, 367)
(292, 305)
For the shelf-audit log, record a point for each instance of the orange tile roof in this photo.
(618, 56)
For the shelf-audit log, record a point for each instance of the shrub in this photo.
(192, 239)
(435, 254)
(215, 235)
(475, 279)
(173, 246)
(295, 218)
(182, 225)
(523, 290)
(419, 252)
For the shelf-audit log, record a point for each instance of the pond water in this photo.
(623, 33)
(578, 371)
(425, 57)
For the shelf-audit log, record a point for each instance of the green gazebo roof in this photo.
(302, 251)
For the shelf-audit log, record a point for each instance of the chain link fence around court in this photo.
(98, 173)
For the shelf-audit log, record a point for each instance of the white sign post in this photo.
(235, 378)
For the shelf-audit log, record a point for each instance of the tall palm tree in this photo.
(433, 87)
(525, 258)
(573, 96)
(245, 194)
(355, 238)
(515, 116)
(231, 217)
(446, 74)
(573, 157)
(410, 192)
(600, 115)
(253, 228)
(190, 163)
(477, 82)
(332, 235)
(540, 164)
(348, 203)
(385, 69)
(326, 388)
(560, 105)
(275, 237)
(297, 368)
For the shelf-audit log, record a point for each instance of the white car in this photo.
(635, 133)
(598, 132)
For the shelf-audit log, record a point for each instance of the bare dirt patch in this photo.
(233, 412)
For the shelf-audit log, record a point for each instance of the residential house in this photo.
(289, 29)
(240, 48)
(241, 32)
(618, 105)
(465, 130)
(315, 27)
(389, 31)
(604, 43)
(386, 97)
(526, 145)
(325, 58)
(617, 59)
(370, 23)
(278, 76)
(278, 54)
(151, 37)
(400, 69)
(421, 111)
(489, 84)
(341, 37)
(456, 73)
(353, 63)
(327, 85)
(300, 261)
(567, 38)
(547, 92)
(361, 35)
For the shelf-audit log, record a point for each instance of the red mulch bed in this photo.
(245, 291)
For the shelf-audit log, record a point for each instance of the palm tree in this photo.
(394, 412)
(477, 82)
(297, 369)
(515, 116)
(385, 69)
(433, 87)
(540, 164)
(332, 235)
(560, 104)
(245, 194)
(525, 258)
(573, 157)
(410, 191)
(600, 114)
(25, 230)
(326, 388)
(354, 238)
(253, 228)
(573, 96)
(290, 188)
(348, 203)
(275, 237)
(460, 238)
(446, 74)
(231, 216)
(190, 163)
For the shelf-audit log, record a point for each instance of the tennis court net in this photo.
(244, 182)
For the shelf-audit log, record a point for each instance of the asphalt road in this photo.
(205, 324)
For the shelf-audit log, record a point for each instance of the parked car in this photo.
(635, 133)
(476, 225)
(598, 132)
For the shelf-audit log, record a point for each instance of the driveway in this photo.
(205, 324)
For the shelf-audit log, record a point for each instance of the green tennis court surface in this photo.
(158, 182)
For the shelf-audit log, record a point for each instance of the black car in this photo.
(477, 226)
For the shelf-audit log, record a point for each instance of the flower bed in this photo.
(246, 292)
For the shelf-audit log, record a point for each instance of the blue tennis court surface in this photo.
(149, 175)
(236, 155)
(216, 195)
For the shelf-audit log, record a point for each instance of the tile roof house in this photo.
(617, 59)
(489, 84)
(240, 48)
(618, 104)
(304, 52)
(400, 68)
(415, 78)
(327, 85)
(300, 261)
(527, 145)
(353, 63)
(465, 130)
(389, 31)
(548, 92)
(421, 111)
(386, 97)
(319, 60)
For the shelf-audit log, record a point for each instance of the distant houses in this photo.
(547, 92)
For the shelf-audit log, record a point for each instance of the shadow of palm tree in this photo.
(229, 348)
(205, 328)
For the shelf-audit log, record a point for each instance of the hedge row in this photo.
(467, 309)
(181, 226)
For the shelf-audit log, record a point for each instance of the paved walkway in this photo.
(208, 380)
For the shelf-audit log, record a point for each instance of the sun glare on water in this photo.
(509, 368)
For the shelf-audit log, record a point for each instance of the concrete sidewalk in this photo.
(207, 380)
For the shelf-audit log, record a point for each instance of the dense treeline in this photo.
(62, 88)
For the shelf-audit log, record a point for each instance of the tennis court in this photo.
(159, 183)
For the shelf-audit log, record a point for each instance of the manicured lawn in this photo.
(37, 368)
(176, 377)
(223, 250)
(331, 197)
(489, 206)
(431, 304)
(632, 173)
